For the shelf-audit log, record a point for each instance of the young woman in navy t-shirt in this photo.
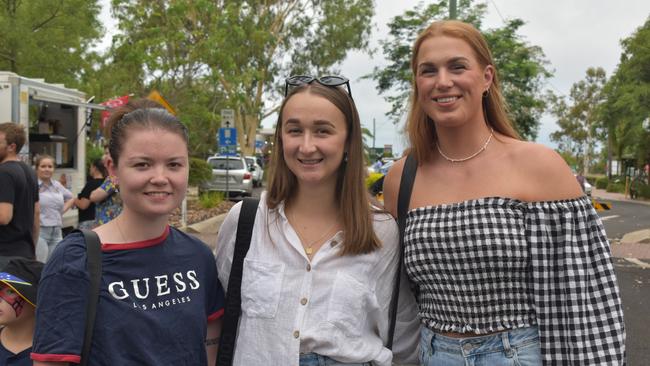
(160, 301)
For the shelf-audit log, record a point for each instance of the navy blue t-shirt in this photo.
(155, 301)
(8, 358)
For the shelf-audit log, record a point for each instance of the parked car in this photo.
(234, 171)
(256, 170)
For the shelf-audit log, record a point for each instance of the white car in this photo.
(256, 171)
(229, 173)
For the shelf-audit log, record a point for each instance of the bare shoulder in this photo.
(391, 186)
(545, 173)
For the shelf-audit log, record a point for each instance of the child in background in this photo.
(19, 279)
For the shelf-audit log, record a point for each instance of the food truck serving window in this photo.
(53, 131)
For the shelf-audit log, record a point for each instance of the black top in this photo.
(19, 188)
(91, 185)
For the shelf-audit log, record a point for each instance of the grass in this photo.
(210, 199)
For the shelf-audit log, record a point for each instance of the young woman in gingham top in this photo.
(318, 277)
(509, 261)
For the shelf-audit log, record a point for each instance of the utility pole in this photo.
(453, 9)
(373, 135)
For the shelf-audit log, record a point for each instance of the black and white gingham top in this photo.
(492, 264)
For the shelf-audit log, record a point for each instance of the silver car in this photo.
(231, 173)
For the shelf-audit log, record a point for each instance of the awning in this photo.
(44, 98)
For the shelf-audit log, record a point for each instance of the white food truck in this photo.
(54, 118)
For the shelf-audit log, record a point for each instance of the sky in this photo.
(573, 34)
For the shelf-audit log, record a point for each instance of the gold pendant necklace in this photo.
(309, 247)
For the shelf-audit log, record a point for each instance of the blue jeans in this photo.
(51, 235)
(517, 347)
(312, 359)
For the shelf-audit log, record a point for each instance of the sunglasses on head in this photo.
(328, 80)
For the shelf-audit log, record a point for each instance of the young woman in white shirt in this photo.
(318, 277)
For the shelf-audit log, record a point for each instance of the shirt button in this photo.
(296, 334)
(303, 301)
(308, 267)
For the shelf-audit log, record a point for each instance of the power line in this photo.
(498, 12)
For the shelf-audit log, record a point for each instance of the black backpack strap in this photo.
(403, 200)
(94, 267)
(233, 295)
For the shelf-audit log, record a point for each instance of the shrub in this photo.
(200, 171)
(616, 187)
(602, 182)
(210, 199)
(644, 191)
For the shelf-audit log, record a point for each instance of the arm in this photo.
(98, 195)
(212, 340)
(407, 326)
(82, 203)
(37, 222)
(68, 205)
(6, 213)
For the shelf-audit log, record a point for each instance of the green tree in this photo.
(48, 39)
(627, 105)
(235, 54)
(579, 118)
(522, 67)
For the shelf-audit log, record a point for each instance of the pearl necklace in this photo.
(452, 160)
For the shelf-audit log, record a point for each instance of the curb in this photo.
(209, 226)
(636, 237)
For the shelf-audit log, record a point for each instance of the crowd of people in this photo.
(485, 252)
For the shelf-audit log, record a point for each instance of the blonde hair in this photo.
(420, 128)
(353, 199)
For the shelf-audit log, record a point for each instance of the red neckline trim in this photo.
(107, 247)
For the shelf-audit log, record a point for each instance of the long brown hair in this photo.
(353, 201)
(421, 129)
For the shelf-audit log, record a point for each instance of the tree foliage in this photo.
(206, 55)
(48, 39)
(578, 118)
(627, 105)
(521, 67)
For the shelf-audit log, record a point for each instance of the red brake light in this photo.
(247, 175)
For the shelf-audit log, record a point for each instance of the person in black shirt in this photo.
(19, 207)
(83, 202)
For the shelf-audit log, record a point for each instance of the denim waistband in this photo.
(474, 345)
(314, 359)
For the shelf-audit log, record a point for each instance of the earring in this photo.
(486, 93)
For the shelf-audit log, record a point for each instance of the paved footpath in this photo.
(636, 245)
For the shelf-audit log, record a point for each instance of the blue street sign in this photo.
(227, 136)
(259, 144)
(228, 150)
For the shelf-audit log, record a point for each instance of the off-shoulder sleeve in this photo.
(576, 296)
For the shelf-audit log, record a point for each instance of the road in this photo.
(634, 284)
(625, 217)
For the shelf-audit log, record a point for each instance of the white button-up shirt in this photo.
(334, 306)
(53, 197)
